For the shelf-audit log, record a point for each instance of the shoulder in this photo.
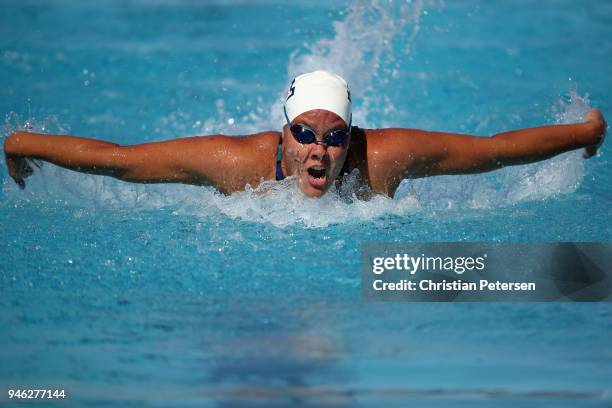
(384, 144)
(260, 141)
(383, 137)
(239, 147)
(383, 154)
(256, 148)
(401, 145)
(232, 162)
(254, 158)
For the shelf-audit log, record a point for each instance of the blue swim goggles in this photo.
(305, 135)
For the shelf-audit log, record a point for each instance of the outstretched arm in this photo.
(210, 160)
(414, 153)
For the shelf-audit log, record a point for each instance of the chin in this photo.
(314, 193)
(311, 191)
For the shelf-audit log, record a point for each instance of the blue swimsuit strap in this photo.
(279, 168)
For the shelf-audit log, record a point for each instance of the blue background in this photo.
(175, 295)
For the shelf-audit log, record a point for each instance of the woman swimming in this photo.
(318, 144)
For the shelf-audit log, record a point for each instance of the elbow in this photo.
(487, 155)
(116, 161)
(495, 152)
(129, 164)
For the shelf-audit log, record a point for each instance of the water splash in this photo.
(571, 108)
(283, 204)
(362, 49)
(537, 181)
(559, 175)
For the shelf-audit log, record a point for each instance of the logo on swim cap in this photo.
(318, 90)
(291, 90)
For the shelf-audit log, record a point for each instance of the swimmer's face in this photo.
(315, 166)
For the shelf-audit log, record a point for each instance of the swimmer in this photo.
(317, 146)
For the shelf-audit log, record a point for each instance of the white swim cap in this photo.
(318, 90)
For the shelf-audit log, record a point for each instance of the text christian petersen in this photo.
(459, 265)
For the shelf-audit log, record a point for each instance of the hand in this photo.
(596, 119)
(18, 166)
(19, 169)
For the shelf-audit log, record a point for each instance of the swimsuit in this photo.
(279, 168)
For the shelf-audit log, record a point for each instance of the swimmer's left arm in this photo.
(423, 154)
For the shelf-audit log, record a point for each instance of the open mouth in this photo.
(317, 175)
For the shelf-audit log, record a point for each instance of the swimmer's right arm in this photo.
(210, 160)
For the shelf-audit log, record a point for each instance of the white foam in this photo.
(282, 204)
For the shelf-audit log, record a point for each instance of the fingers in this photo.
(18, 169)
(18, 180)
(595, 118)
(589, 152)
(25, 170)
(20, 183)
(11, 165)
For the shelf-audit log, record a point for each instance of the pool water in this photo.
(171, 295)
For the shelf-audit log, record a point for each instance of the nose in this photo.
(318, 151)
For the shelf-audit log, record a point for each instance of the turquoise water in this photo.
(174, 295)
